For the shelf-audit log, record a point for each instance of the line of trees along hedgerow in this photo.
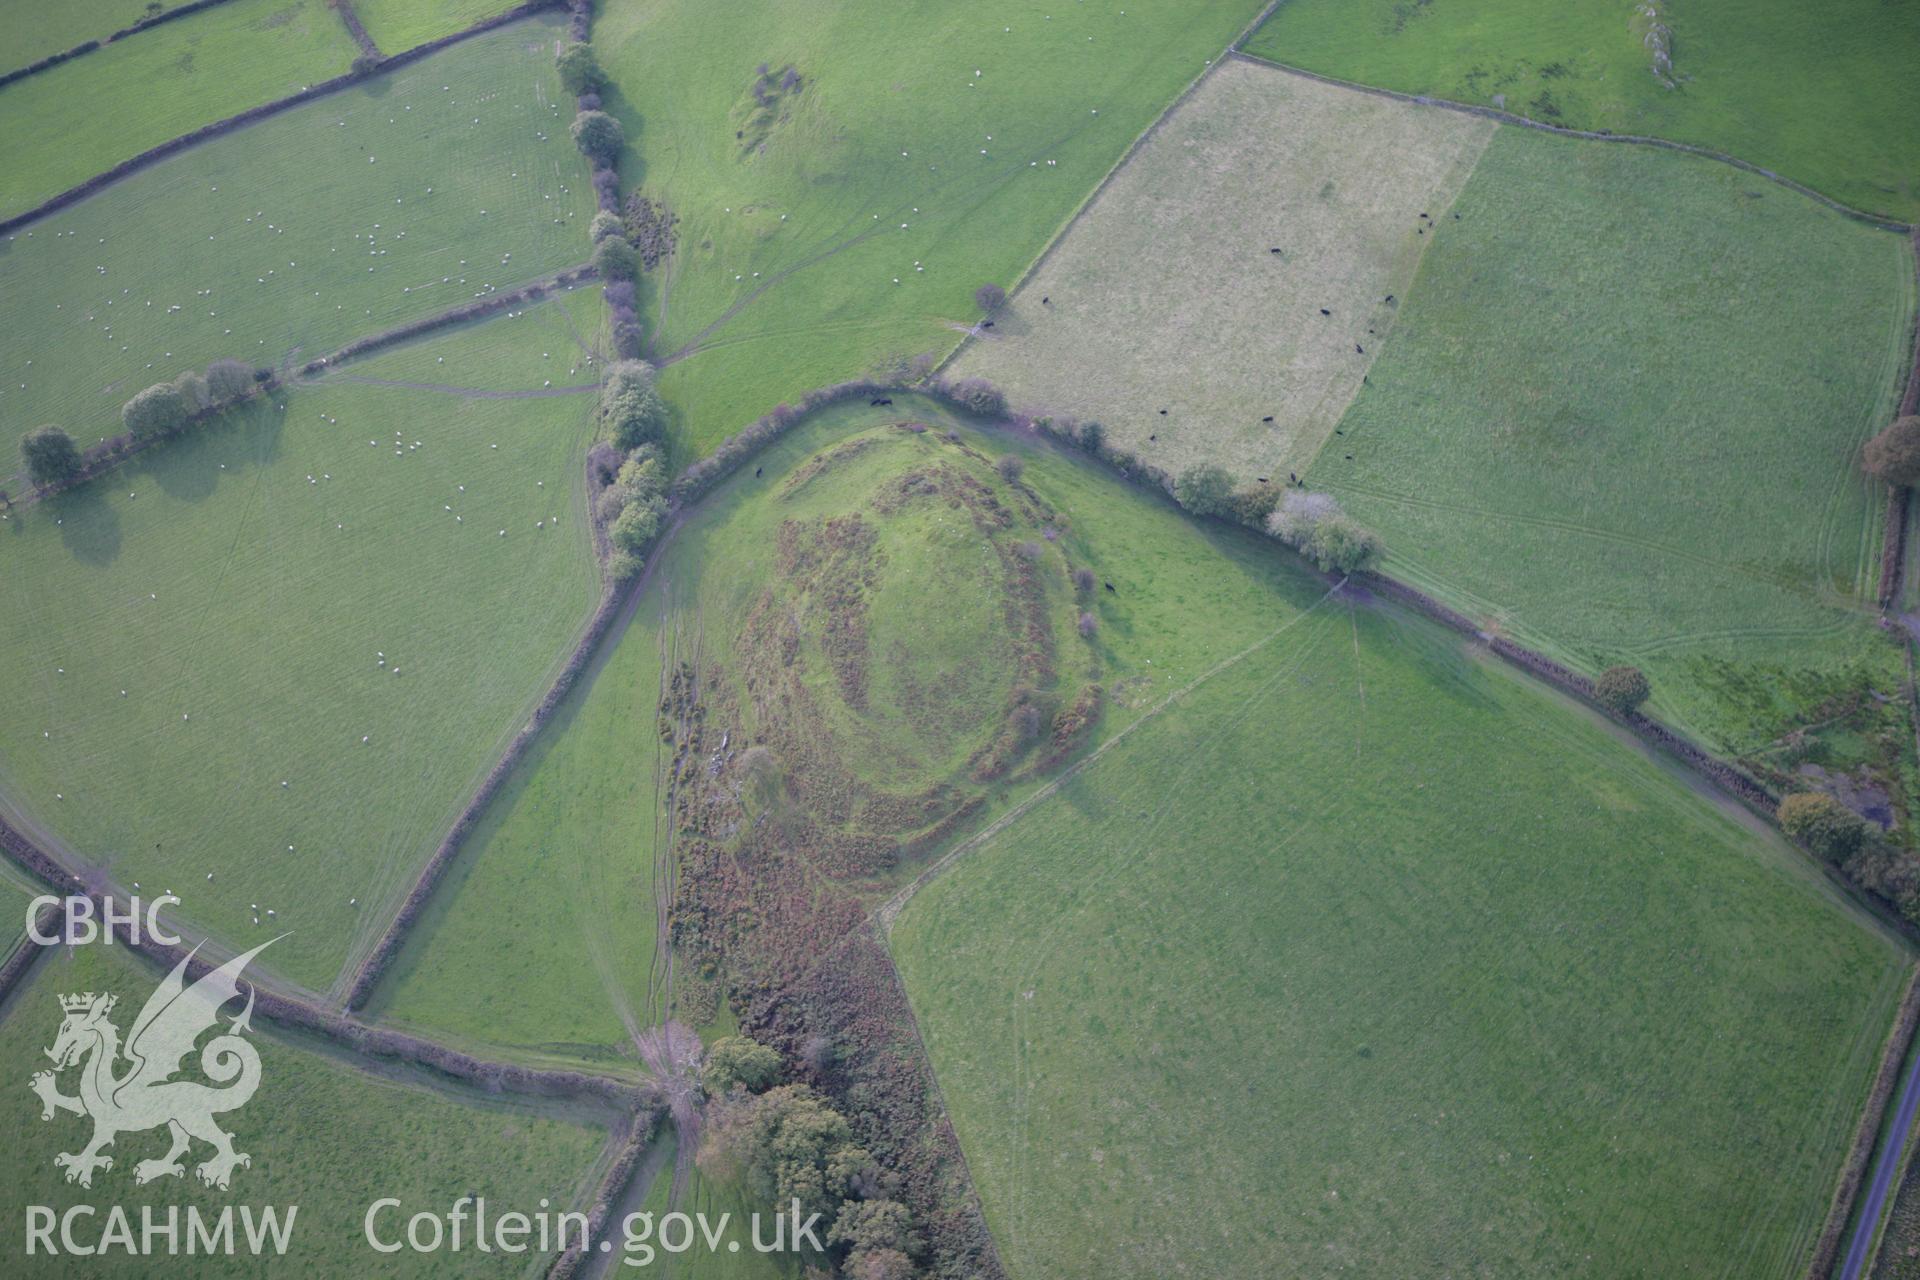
(53, 458)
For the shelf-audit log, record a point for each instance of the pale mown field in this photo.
(1167, 293)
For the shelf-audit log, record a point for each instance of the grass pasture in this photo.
(569, 864)
(1167, 295)
(31, 30)
(1367, 956)
(1622, 411)
(548, 348)
(397, 25)
(796, 220)
(573, 864)
(1811, 92)
(241, 606)
(543, 935)
(82, 117)
(315, 227)
(324, 1134)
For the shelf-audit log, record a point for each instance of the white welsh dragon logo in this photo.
(143, 1096)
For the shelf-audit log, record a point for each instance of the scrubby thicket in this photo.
(782, 843)
(779, 1144)
(626, 474)
(1311, 523)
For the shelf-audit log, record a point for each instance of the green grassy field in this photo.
(241, 605)
(1621, 414)
(550, 347)
(31, 29)
(544, 933)
(1381, 960)
(72, 121)
(1212, 347)
(17, 890)
(790, 233)
(323, 1134)
(310, 229)
(571, 862)
(1809, 91)
(403, 24)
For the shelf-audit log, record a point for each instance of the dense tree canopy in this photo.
(737, 1061)
(1894, 454)
(156, 411)
(579, 72)
(634, 412)
(50, 455)
(1823, 824)
(1622, 689)
(599, 137)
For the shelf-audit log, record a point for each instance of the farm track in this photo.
(1870, 1211)
(608, 623)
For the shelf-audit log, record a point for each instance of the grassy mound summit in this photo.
(905, 639)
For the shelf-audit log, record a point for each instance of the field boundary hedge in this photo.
(368, 975)
(88, 46)
(534, 292)
(1867, 1137)
(253, 115)
(97, 460)
(1591, 135)
(639, 1136)
(21, 960)
(356, 28)
(1893, 543)
(346, 1032)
